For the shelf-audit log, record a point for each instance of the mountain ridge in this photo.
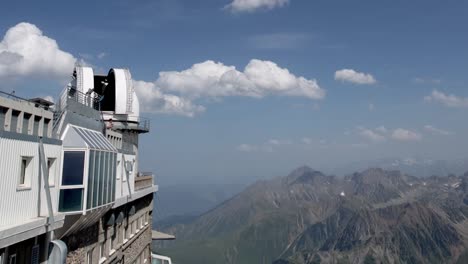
(309, 217)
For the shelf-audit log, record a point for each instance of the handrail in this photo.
(71, 93)
(132, 122)
(21, 99)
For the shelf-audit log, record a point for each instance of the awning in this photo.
(156, 235)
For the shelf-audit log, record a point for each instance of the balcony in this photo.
(126, 122)
(143, 180)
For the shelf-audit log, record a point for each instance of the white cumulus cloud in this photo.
(401, 134)
(254, 5)
(259, 79)
(372, 135)
(179, 90)
(268, 146)
(437, 131)
(352, 76)
(449, 100)
(247, 148)
(25, 50)
(153, 100)
(381, 134)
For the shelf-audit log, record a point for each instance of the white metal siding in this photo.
(22, 205)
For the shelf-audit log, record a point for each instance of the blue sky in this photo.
(380, 78)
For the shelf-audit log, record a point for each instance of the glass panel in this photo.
(96, 179)
(89, 203)
(101, 177)
(114, 174)
(106, 178)
(71, 200)
(111, 174)
(73, 166)
(91, 136)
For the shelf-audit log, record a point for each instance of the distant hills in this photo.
(376, 216)
(419, 167)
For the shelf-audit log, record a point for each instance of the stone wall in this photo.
(109, 238)
(142, 242)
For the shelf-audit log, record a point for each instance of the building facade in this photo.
(71, 190)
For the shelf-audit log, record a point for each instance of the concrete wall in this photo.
(121, 184)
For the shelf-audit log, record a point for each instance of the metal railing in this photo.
(130, 122)
(70, 93)
(12, 96)
(143, 180)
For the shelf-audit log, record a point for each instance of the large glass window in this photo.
(73, 167)
(71, 200)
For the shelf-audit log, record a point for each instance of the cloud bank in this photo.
(448, 100)
(238, 6)
(401, 134)
(352, 76)
(268, 146)
(177, 91)
(437, 131)
(381, 134)
(24, 50)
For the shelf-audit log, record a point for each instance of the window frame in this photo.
(11, 257)
(102, 251)
(89, 256)
(25, 176)
(81, 186)
(85, 163)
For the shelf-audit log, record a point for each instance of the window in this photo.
(71, 200)
(102, 251)
(124, 234)
(25, 172)
(73, 167)
(111, 245)
(129, 231)
(51, 169)
(134, 227)
(112, 242)
(89, 257)
(12, 259)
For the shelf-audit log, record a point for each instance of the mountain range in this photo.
(374, 216)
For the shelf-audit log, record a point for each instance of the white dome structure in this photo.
(117, 99)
